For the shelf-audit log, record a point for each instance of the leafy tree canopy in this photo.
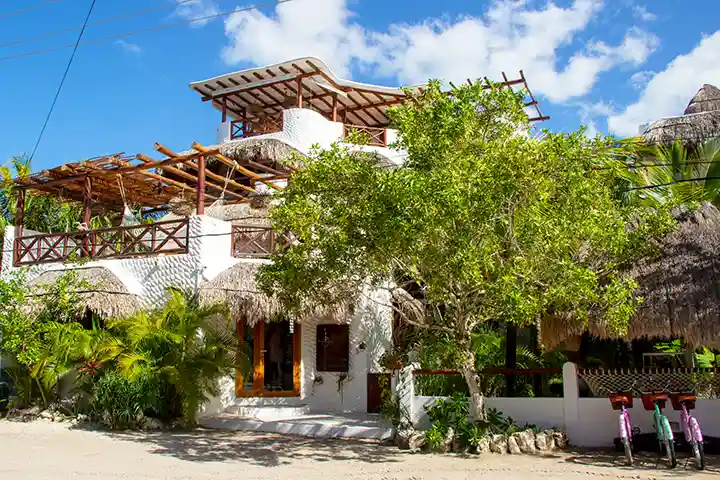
(492, 222)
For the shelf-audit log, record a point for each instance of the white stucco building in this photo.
(315, 366)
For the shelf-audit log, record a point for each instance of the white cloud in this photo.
(669, 91)
(299, 28)
(511, 35)
(641, 13)
(639, 80)
(129, 47)
(197, 9)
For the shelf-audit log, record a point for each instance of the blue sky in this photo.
(612, 65)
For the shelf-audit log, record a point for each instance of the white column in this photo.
(571, 406)
(405, 390)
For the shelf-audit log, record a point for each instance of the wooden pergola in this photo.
(257, 97)
(118, 180)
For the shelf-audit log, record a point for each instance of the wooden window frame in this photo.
(321, 363)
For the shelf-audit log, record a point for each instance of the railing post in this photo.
(20, 213)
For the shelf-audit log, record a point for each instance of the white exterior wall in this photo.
(209, 254)
(304, 128)
(589, 422)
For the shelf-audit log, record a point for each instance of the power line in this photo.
(28, 9)
(62, 82)
(95, 24)
(145, 30)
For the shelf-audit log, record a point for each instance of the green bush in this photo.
(122, 402)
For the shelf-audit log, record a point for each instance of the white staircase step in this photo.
(268, 412)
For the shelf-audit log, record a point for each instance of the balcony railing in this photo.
(376, 136)
(240, 129)
(169, 237)
(257, 241)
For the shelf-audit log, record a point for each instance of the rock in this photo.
(150, 423)
(483, 445)
(417, 440)
(561, 440)
(402, 438)
(82, 418)
(543, 442)
(178, 424)
(513, 444)
(526, 441)
(457, 446)
(446, 445)
(46, 415)
(498, 444)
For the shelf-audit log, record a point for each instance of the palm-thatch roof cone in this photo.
(254, 149)
(680, 288)
(99, 290)
(700, 121)
(238, 289)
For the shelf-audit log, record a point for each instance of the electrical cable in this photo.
(28, 9)
(145, 30)
(95, 24)
(62, 82)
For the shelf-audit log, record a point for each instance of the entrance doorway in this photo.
(271, 367)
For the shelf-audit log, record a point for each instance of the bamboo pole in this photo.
(201, 186)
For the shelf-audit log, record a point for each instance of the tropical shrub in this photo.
(184, 345)
(121, 402)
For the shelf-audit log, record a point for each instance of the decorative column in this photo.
(201, 186)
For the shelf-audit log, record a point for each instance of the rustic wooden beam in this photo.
(178, 172)
(201, 186)
(20, 212)
(237, 166)
(87, 201)
(166, 151)
(334, 108)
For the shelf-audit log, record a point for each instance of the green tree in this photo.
(673, 175)
(184, 344)
(490, 221)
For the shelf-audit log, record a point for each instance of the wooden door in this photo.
(256, 364)
(377, 383)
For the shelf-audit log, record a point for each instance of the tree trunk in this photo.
(477, 402)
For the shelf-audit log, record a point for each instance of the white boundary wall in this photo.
(589, 422)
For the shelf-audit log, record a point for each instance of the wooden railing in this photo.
(256, 241)
(376, 136)
(240, 129)
(168, 237)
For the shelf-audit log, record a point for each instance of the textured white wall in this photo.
(209, 253)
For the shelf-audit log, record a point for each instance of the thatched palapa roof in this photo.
(237, 288)
(99, 290)
(254, 149)
(700, 121)
(680, 288)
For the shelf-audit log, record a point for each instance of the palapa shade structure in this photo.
(237, 288)
(267, 151)
(700, 121)
(99, 290)
(680, 288)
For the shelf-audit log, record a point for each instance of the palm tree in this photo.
(673, 175)
(185, 344)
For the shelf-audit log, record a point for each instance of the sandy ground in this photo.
(37, 451)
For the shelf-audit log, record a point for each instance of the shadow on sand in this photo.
(266, 449)
(642, 461)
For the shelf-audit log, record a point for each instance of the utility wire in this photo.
(28, 9)
(95, 24)
(145, 30)
(62, 82)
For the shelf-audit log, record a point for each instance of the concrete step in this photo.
(325, 426)
(267, 412)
